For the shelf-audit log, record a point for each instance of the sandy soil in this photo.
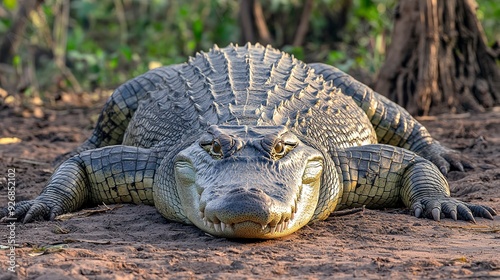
(135, 242)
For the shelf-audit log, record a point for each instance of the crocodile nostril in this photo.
(256, 190)
(237, 190)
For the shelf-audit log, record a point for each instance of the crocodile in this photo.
(250, 142)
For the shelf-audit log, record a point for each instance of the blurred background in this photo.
(86, 48)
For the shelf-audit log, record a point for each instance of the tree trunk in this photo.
(303, 24)
(253, 24)
(438, 60)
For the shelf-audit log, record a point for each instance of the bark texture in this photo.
(439, 60)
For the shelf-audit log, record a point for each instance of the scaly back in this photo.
(250, 85)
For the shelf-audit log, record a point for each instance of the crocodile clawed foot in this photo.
(456, 160)
(482, 211)
(447, 207)
(445, 159)
(29, 211)
(17, 211)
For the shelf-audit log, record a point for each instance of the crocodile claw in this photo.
(447, 207)
(436, 214)
(444, 158)
(31, 210)
(18, 212)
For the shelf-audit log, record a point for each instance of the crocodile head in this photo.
(249, 182)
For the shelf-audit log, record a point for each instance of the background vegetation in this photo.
(84, 45)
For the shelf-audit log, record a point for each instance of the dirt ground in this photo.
(135, 242)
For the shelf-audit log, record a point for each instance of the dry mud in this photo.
(135, 242)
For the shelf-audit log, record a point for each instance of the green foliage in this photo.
(10, 4)
(106, 42)
(361, 43)
(110, 41)
(298, 52)
(369, 28)
(489, 14)
(16, 61)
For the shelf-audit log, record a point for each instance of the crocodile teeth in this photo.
(220, 226)
(273, 229)
(279, 227)
(217, 227)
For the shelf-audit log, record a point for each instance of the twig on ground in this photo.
(347, 212)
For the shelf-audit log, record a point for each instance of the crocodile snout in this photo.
(250, 208)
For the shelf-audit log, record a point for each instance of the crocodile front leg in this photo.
(381, 176)
(114, 174)
(392, 123)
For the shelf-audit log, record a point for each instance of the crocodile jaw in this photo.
(281, 220)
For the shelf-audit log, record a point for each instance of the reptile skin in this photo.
(251, 142)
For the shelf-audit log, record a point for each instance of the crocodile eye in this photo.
(212, 147)
(216, 148)
(279, 148)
